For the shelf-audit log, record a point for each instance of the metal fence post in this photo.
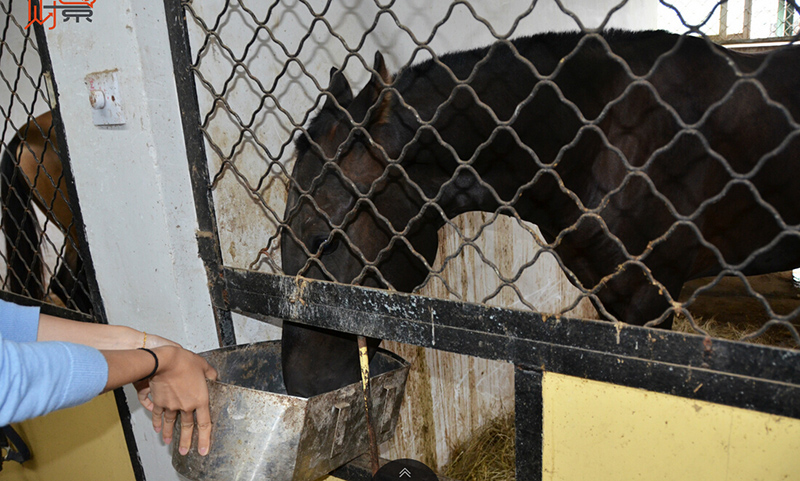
(529, 422)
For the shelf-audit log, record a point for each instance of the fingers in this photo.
(143, 393)
(187, 426)
(169, 425)
(181, 386)
(157, 412)
(203, 430)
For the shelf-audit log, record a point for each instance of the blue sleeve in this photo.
(39, 377)
(18, 323)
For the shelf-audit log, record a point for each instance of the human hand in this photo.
(179, 386)
(151, 341)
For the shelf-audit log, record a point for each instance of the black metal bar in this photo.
(737, 374)
(127, 430)
(99, 311)
(528, 423)
(46, 308)
(207, 237)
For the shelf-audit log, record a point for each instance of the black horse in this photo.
(646, 159)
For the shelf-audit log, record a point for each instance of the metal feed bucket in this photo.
(260, 432)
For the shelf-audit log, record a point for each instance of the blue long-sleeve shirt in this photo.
(39, 377)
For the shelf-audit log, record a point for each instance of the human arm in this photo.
(37, 378)
(166, 393)
(178, 386)
(98, 336)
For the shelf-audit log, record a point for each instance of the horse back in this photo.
(716, 135)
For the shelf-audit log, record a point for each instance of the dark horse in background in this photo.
(637, 185)
(31, 174)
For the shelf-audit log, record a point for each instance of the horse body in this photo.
(637, 186)
(32, 174)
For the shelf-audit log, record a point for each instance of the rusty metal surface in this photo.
(335, 425)
(260, 432)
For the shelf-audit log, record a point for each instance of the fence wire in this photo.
(40, 256)
(264, 80)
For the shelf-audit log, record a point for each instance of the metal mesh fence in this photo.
(664, 178)
(736, 21)
(40, 253)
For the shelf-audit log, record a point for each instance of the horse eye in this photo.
(324, 246)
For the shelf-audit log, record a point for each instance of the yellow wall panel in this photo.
(76, 444)
(600, 431)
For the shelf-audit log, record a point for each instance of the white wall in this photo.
(133, 184)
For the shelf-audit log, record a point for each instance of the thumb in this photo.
(143, 393)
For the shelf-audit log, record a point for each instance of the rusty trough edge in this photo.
(732, 373)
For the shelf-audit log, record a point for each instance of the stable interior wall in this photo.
(134, 189)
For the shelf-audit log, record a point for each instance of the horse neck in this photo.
(459, 179)
(489, 182)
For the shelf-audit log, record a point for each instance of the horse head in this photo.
(344, 222)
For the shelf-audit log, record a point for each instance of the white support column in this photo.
(133, 184)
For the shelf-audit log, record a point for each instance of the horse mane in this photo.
(548, 47)
(556, 42)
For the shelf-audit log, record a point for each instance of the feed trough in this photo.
(260, 432)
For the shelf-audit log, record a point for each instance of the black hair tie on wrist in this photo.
(154, 369)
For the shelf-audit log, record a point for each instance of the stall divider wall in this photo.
(134, 187)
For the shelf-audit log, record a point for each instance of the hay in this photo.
(776, 336)
(487, 456)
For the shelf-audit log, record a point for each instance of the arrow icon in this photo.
(405, 470)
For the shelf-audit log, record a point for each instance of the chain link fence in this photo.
(732, 22)
(263, 72)
(41, 256)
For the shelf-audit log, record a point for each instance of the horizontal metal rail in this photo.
(692, 366)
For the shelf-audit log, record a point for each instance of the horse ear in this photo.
(380, 78)
(379, 66)
(339, 88)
